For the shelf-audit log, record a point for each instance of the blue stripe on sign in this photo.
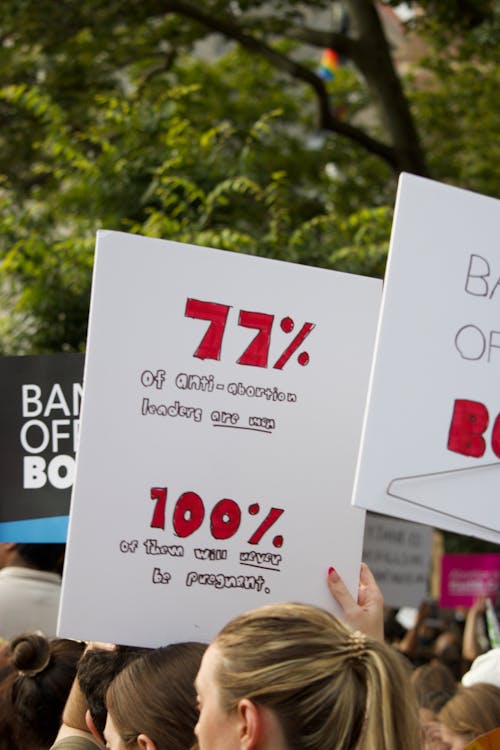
(53, 530)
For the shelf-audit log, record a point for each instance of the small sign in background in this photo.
(399, 556)
(466, 577)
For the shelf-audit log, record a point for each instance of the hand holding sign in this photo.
(366, 612)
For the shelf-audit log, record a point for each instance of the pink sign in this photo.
(465, 577)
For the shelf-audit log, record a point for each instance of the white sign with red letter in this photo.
(220, 425)
(431, 444)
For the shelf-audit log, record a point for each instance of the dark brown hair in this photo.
(96, 670)
(434, 685)
(34, 693)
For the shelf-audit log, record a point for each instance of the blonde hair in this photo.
(331, 688)
(472, 711)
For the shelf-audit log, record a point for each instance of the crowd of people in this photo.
(279, 677)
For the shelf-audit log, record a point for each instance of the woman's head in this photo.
(300, 672)
(154, 698)
(35, 691)
(434, 685)
(96, 670)
(471, 712)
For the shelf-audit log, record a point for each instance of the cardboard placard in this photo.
(431, 439)
(40, 408)
(221, 419)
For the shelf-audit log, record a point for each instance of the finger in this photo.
(366, 577)
(367, 581)
(339, 591)
(368, 586)
(101, 646)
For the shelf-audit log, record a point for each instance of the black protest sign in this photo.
(40, 402)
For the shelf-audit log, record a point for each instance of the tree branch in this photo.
(168, 60)
(341, 43)
(326, 119)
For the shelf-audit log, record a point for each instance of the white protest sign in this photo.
(431, 439)
(220, 426)
(399, 556)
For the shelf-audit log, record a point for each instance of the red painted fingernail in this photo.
(333, 575)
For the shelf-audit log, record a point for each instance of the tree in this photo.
(111, 120)
(157, 31)
(458, 110)
(206, 185)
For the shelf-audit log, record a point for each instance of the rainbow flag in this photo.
(329, 61)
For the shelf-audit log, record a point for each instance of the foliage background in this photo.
(115, 115)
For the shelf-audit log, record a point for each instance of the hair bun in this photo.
(29, 653)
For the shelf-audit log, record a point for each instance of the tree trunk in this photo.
(375, 63)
